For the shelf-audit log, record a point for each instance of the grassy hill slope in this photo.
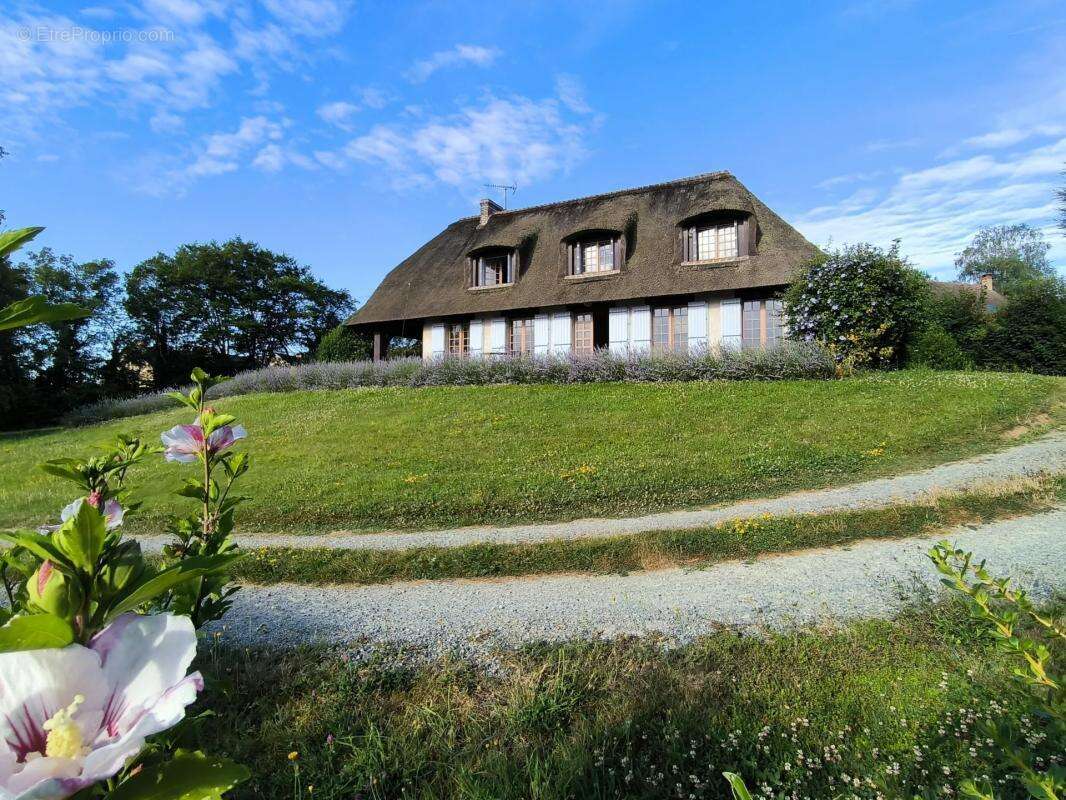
(393, 458)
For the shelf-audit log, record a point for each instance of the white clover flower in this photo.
(72, 717)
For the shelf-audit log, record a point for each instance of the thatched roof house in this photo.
(693, 262)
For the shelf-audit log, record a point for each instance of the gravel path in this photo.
(1046, 454)
(868, 579)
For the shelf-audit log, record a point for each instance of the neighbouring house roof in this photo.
(992, 297)
(434, 281)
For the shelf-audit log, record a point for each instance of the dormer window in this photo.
(596, 253)
(493, 268)
(715, 238)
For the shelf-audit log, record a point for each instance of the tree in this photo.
(1029, 333)
(861, 302)
(18, 311)
(226, 307)
(69, 355)
(343, 344)
(1011, 254)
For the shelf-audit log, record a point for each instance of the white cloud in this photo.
(338, 113)
(514, 139)
(222, 152)
(310, 17)
(460, 54)
(935, 210)
(374, 98)
(1006, 137)
(881, 145)
(851, 177)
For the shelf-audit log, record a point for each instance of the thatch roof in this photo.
(992, 297)
(433, 282)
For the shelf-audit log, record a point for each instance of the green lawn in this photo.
(404, 458)
(656, 550)
(898, 703)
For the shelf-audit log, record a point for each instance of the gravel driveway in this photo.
(1047, 454)
(868, 579)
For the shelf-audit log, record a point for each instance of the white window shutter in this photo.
(541, 334)
(436, 340)
(731, 332)
(498, 335)
(477, 338)
(560, 333)
(640, 329)
(618, 330)
(697, 325)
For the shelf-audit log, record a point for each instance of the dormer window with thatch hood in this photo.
(492, 267)
(593, 253)
(717, 236)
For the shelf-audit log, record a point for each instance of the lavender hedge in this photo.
(792, 360)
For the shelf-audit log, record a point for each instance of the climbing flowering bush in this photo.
(96, 642)
(860, 302)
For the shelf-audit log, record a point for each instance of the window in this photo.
(495, 269)
(458, 340)
(582, 334)
(669, 329)
(715, 240)
(521, 340)
(591, 256)
(752, 324)
(775, 323)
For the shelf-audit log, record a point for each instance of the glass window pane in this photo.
(752, 327)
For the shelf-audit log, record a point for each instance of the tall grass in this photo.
(791, 360)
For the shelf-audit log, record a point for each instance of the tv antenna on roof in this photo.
(505, 189)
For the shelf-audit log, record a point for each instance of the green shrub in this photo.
(343, 344)
(935, 348)
(1029, 333)
(963, 316)
(862, 303)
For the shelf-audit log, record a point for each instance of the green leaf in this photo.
(36, 310)
(39, 544)
(82, 537)
(198, 376)
(181, 399)
(35, 632)
(169, 578)
(10, 241)
(736, 783)
(188, 776)
(67, 468)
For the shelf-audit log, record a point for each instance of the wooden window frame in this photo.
(460, 331)
(690, 234)
(751, 309)
(575, 254)
(675, 319)
(524, 324)
(505, 272)
(583, 328)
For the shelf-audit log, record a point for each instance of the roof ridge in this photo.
(616, 193)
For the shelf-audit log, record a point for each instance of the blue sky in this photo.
(348, 133)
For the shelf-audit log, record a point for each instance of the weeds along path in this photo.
(1044, 455)
(869, 579)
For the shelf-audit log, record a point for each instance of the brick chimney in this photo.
(488, 208)
(986, 281)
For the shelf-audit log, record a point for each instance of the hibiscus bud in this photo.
(96, 499)
(124, 567)
(52, 592)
